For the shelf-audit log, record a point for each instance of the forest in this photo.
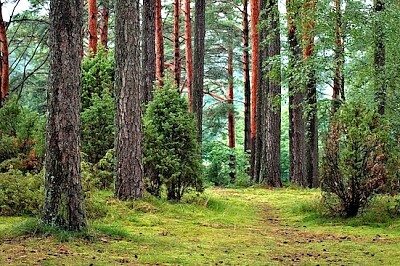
(199, 132)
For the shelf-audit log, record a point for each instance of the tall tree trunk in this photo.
(177, 61)
(92, 25)
(4, 64)
(189, 52)
(159, 44)
(246, 78)
(148, 49)
(255, 13)
(198, 65)
(379, 56)
(64, 203)
(129, 176)
(338, 80)
(311, 123)
(270, 81)
(231, 117)
(296, 97)
(104, 18)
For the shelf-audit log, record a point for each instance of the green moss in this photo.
(252, 226)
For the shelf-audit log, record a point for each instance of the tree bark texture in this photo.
(311, 121)
(177, 61)
(296, 97)
(129, 168)
(379, 56)
(189, 52)
(231, 117)
(255, 12)
(246, 78)
(148, 49)
(159, 44)
(92, 25)
(270, 83)
(4, 63)
(64, 196)
(338, 81)
(104, 20)
(198, 65)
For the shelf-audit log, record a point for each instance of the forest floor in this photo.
(253, 226)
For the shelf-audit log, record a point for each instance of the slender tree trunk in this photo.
(255, 12)
(379, 56)
(198, 65)
(296, 97)
(231, 117)
(92, 24)
(148, 49)
(189, 52)
(338, 81)
(64, 203)
(104, 18)
(177, 62)
(4, 64)
(159, 44)
(311, 123)
(246, 78)
(129, 176)
(270, 81)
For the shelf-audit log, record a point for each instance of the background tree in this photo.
(148, 49)
(64, 198)
(128, 144)
(4, 66)
(198, 65)
(92, 26)
(269, 96)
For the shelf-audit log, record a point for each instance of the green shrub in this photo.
(22, 137)
(355, 159)
(21, 194)
(217, 157)
(171, 152)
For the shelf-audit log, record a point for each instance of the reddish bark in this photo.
(231, 115)
(189, 52)
(177, 65)
(104, 18)
(92, 25)
(255, 13)
(159, 45)
(4, 65)
(246, 78)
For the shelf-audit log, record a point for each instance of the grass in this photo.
(253, 226)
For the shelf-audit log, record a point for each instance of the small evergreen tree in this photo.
(171, 152)
(355, 159)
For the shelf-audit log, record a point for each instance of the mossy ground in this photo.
(252, 226)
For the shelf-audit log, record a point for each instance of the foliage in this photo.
(98, 127)
(22, 138)
(97, 105)
(355, 158)
(97, 76)
(217, 169)
(171, 152)
(21, 194)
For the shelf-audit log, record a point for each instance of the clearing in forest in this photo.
(222, 227)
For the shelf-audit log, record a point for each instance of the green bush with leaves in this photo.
(97, 76)
(22, 137)
(172, 154)
(217, 157)
(354, 165)
(21, 194)
(97, 105)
